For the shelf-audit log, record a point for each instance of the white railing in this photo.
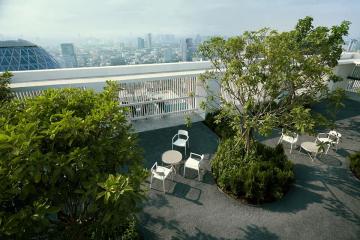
(353, 86)
(159, 97)
(22, 95)
(148, 91)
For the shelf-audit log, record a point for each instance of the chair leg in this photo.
(199, 174)
(150, 181)
(327, 150)
(291, 146)
(184, 171)
(164, 185)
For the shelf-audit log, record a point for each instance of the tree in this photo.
(268, 78)
(5, 92)
(70, 167)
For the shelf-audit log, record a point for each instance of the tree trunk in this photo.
(248, 139)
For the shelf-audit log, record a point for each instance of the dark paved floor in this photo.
(324, 203)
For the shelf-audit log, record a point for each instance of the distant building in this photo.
(149, 40)
(187, 50)
(352, 45)
(69, 56)
(141, 43)
(197, 41)
(17, 55)
(168, 55)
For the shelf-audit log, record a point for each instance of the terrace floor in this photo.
(324, 202)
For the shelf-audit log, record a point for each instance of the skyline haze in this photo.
(67, 20)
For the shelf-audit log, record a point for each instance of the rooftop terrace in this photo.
(324, 202)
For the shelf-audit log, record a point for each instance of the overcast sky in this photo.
(64, 19)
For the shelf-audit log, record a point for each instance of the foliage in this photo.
(70, 167)
(336, 102)
(262, 175)
(219, 126)
(268, 78)
(5, 92)
(355, 163)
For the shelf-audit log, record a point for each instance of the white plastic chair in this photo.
(181, 139)
(292, 139)
(193, 162)
(331, 138)
(161, 173)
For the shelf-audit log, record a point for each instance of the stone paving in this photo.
(324, 202)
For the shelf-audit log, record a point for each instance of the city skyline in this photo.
(67, 20)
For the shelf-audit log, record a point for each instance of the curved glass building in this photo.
(23, 55)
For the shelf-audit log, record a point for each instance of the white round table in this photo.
(310, 147)
(172, 157)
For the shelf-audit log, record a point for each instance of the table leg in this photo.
(310, 155)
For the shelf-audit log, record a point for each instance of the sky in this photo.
(67, 19)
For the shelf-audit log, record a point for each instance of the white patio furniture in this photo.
(291, 138)
(193, 162)
(181, 139)
(172, 157)
(331, 138)
(161, 173)
(310, 148)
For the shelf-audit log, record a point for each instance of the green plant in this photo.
(355, 163)
(268, 78)
(5, 92)
(263, 175)
(220, 126)
(70, 167)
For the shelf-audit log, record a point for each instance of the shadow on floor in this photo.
(311, 182)
(253, 232)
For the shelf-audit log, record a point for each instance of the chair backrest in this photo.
(197, 156)
(153, 168)
(296, 138)
(292, 135)
(334, 136)
(183, 132)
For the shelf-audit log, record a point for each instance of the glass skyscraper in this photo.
(23, 55)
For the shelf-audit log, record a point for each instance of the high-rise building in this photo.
(168, 55)
(141, 43)
(187, 50)
(23, 55)
(149, 40)
(197, 40)
(69, 56)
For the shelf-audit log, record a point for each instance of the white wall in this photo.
(76, 73)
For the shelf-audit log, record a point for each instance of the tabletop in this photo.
(172, 157)
(310, 147)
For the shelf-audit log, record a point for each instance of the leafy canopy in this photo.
(267, 78)
(5, 92)
(70, 166)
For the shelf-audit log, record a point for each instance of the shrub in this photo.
(355, 163)
(70, 167)
(5, 92)
(263, 175)
(222, 128)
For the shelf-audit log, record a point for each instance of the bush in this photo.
(222, 129)
(263, 175)
(355, 163)
(5, 92)
(70, 167)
